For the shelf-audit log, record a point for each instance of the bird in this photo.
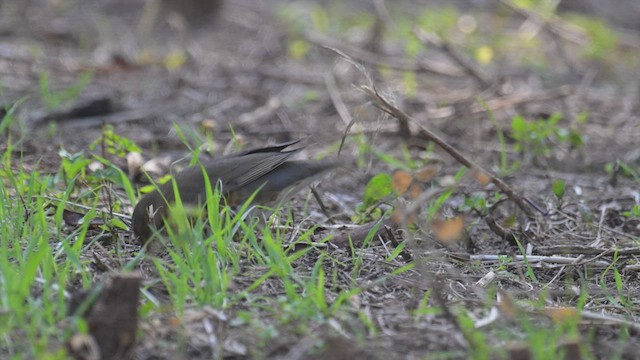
(266, 171)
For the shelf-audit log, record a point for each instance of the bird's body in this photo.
(267, 170)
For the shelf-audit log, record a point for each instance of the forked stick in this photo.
(383, 104)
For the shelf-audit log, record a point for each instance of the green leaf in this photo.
(73, 164)
(298, 49)
(576, 139)
(379, 187)
(519, 127)
(111, 174)
(559, 187)
(114, 143)
(115, 222)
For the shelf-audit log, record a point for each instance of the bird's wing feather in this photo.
(272, 149)
(248, 168)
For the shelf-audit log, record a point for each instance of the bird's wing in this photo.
(248, 168)
(276, 148)
(235, 171)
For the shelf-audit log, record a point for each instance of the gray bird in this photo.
(241, 175)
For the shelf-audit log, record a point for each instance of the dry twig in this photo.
(394, 111)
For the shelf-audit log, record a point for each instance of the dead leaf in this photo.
(562, 314)
(74, 219)
(482, 177)
(401, 181)
(448, 231)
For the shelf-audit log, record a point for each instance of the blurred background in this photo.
(541, 92)
(260, 68)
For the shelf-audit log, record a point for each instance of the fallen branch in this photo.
(537, 259)
(585, 250)
(383, 104)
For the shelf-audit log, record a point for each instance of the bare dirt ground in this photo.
(240, 74)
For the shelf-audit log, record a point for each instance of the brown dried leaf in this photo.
(562, 314)
(482, 177)
(401, 181)
(448, 231)
(74, 219)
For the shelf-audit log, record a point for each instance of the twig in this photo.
(586, 250)
(392, 237)
(336, 99)
(387, 107)
(341, 108)
(124, 217)
(602, 318)
(598, 239)
(534, 259)
(403, 125)
(321, 204)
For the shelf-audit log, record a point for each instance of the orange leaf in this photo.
(562, 314)
(482, 177)
(448, 231)
(401, 181)
(174, 321)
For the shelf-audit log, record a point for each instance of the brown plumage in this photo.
(241, 174)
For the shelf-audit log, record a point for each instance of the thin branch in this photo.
(533, 259)
(387, 107)
(336, 98)
(586, 250)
